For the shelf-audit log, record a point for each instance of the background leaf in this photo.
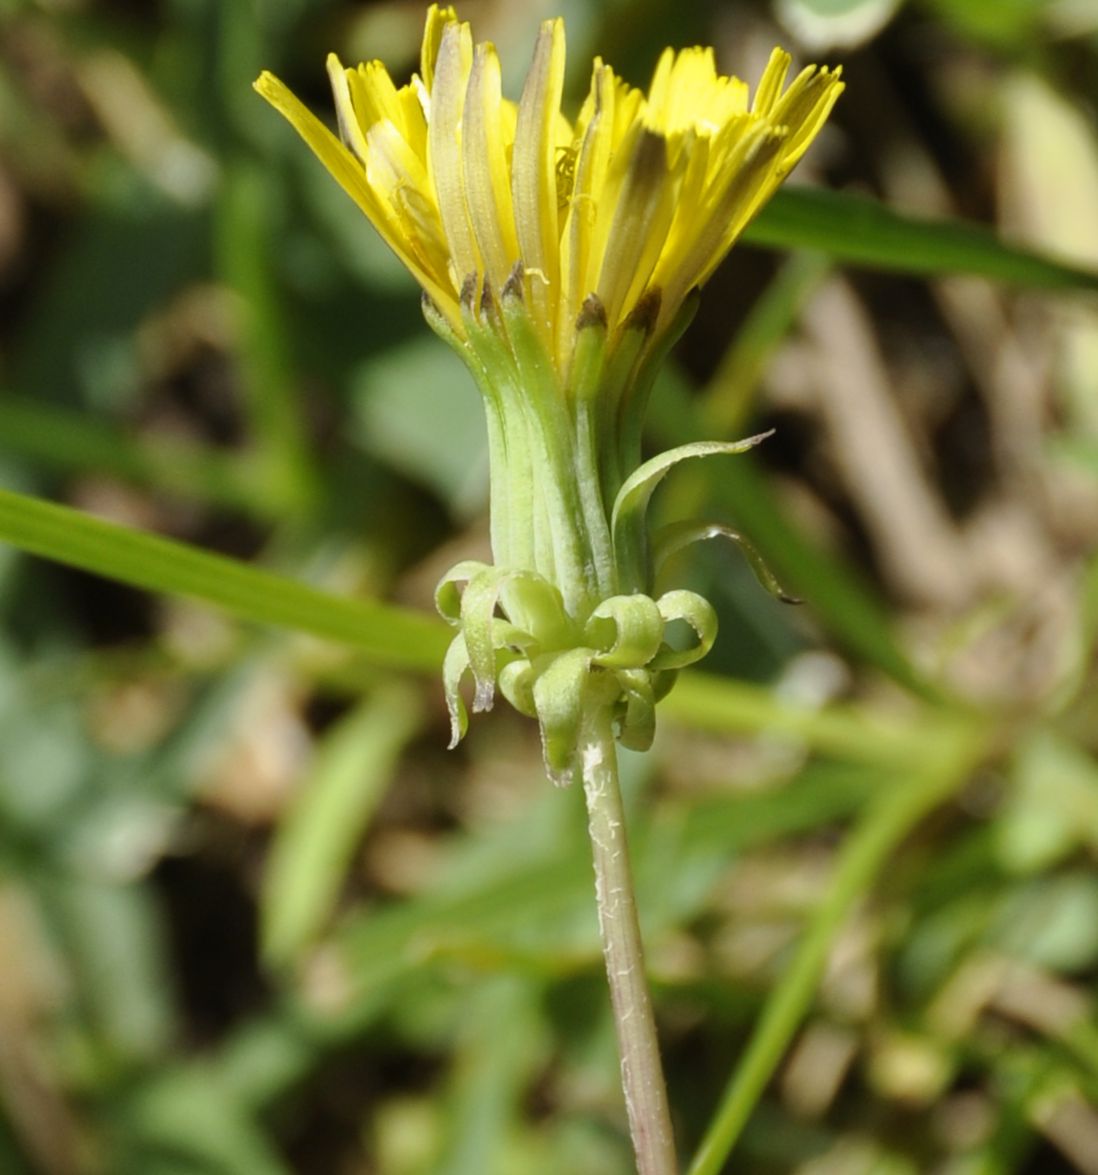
(864, 232)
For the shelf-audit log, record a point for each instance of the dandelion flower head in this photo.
(635, 202)
(559, 259)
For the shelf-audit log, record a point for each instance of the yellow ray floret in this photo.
(645, 192)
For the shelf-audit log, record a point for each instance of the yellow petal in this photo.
(607, 187)
(437, 20)
(771, 82)
(351, 176)
(342, 164)
(807, 112)
(596, 125)
(413, 121)
(684, 91)
(487, 178)
(747, 178)
(350, 129)
(660, 86)
(375, 96)
(533, 178)
(452, 68)
(690, 200)
(638, 230)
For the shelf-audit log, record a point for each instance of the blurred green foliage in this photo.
(253, 917)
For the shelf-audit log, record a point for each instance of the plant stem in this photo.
(638, 1046)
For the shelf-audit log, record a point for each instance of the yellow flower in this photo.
(558, 259)
(639, 199)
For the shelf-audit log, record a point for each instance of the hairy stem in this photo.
(641, 1071)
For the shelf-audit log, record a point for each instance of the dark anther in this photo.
(512, 287)
(487, 299)
(592, 313)
(468, 291)
(645, 314)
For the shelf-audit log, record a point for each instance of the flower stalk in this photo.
(560, 259)
(641, 1070)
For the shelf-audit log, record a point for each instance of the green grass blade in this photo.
(178, 1119)
(315, 841)
(730, 395)
(272, 394)
(865, 232)
(393, 637)
(59, 438)
(115, 949)
(874, 838)
(702, 701)
(852, 612)
(486, 1086)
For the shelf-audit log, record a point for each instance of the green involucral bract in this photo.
(569, 598)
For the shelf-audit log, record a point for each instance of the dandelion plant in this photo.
(561, 260)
